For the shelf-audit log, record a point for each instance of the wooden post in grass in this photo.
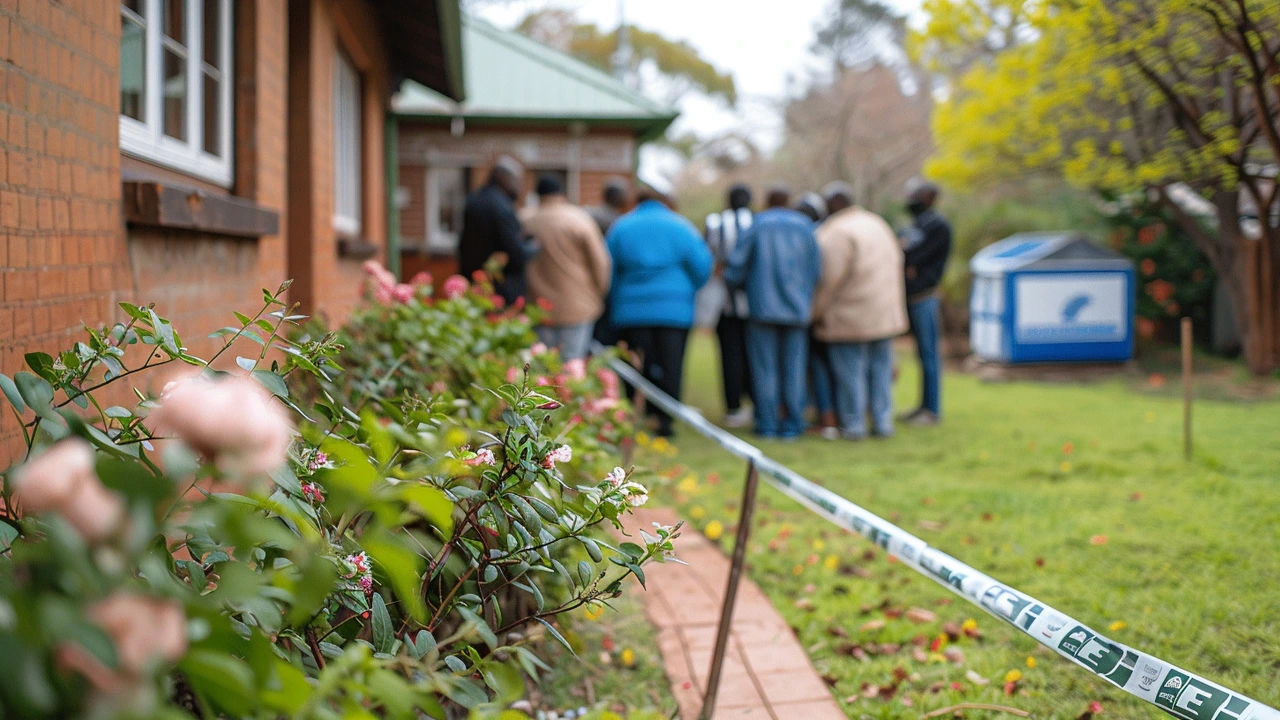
(1186, 387)
(731, 591)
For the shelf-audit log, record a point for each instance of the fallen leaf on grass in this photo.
(1117, 626)
(872, 626)
(837, 631)
(919, 655)
(804, 604)
(988, 517)
(955, 655)
(952, 630)
(931, 525)
(975, 678)
(1135, 497)
(920, 615)
(1098, 540)
(1040, 562)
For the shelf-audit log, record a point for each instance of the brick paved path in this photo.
(766, 673)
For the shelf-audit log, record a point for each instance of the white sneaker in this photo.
(738, 419)
(830, 433)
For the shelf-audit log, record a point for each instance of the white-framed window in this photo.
(446, 194)
(347, 141)
(175, 85)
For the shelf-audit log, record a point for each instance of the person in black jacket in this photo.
(490, 226)
(927, 244)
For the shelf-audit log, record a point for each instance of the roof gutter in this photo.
(450, 18)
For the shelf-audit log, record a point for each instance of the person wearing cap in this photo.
(659, 262)
(570, 271)
(723, 229)
(490, 226)
(860, 307)
(927, 244)
(778, 263)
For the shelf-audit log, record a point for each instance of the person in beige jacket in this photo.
(571, 270)
(859, 307)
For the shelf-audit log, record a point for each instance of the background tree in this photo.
(857, 32)
(1144, 95)
(654, 64)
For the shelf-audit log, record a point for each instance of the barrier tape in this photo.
(1180, 693)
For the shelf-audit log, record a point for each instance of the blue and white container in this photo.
(1051, 297)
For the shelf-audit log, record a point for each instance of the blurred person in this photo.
(617, 197)
(571, 269)
(490, 226)
(778, 264)
(926, 244)
(812, 206)
(859, 308)
(821, 383)
(723, 229)
(659, 262)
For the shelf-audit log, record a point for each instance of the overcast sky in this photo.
(761, 42)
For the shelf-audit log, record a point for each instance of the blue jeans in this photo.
(926, 326)
(821, 386)
(778, 355)
(572, 341)
(864, 379)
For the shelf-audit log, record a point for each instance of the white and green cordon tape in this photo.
(1178, 692)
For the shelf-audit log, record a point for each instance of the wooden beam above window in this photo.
(156, 204)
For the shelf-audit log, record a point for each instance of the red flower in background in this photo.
(1160, 290)
(1148, 266)
(545, 304)
(1146, 327)
(1150, 233)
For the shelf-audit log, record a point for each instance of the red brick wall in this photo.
(63, 259)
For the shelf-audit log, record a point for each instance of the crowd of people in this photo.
(807, 296)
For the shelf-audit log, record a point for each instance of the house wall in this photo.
(67, 256)
(592, 157)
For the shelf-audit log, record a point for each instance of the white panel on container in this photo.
(1070, 307)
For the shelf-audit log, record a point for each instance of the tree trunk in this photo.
(1235, 259)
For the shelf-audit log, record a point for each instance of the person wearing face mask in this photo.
(927, 244)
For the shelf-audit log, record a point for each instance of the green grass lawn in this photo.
(1077, 495)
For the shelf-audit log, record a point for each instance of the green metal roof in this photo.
(512, 78)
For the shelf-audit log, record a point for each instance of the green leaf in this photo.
(556, 634)
(424, 643)
(455, 664)
(384, 637)
(592, 548)
(289, 693)
(431, 503)
(584, 573)
(403, 569)
(631, 550)
(528, 516)
(547, 512)
(505, 682)
(222, 680)
(244, 319)
(118, 412)
(37, 393)
(490, 573)
(480, 626)
(638, 573)
(245, 363)
(41, 364)
(11, 392)
(284, 477)
(271, 382)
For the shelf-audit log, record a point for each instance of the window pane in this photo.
(346, 141)
(133, 64)
(213, 32)
(175, 20)
(212, 116)
(134, 5)
(175, 95)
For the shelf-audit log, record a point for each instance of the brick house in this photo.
(552, 112)
(191, 152)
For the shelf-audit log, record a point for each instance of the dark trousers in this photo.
(732, 333)
(662, 362)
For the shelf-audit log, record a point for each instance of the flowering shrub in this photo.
(1174, 277)
(247, 544)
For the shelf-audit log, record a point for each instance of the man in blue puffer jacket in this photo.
(659, 262)
(778, 263)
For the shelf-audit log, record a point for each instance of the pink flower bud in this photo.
(455, 287)
(576, 368)
(422, 278)
(62, 480)
(550, 405)
(513, 374)
(234, 422)
(402, 293)
(144, 629)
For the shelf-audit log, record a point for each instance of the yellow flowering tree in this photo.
(1160, 96)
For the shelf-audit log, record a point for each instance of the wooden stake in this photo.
(731, 592)
(1187, 381)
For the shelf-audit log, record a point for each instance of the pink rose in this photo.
(144, 629)
(576, 368)
(538, 348)
(455, 287)
(422, 278)
(513, 374)
(234, 422)
(62, 480)
(402, 293)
